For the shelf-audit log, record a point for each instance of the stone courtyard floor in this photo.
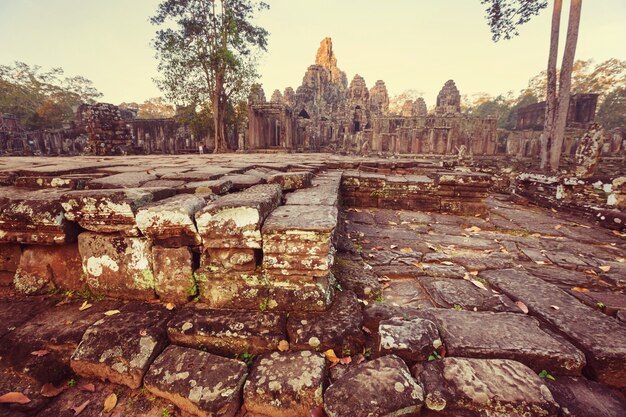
(518, 311)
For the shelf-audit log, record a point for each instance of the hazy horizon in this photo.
(408, 44)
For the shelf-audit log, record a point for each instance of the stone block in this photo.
(40, 266)
(171, 222)
(122, 180)
(197, 382)
(457, 293)
(117, 266)
(287, 384)
(235, 220)
(219, 186)
(382, 387)
(231, 259)
(110, 211)
(482, 387)
(579, 397)
(121, 347)
(233, 290)
(228, 332)
(339, 328)
(10, 254)
(243, 181)
(412, 340)
(173, 274)
(290, 181)
(278, 265)
(34, 217)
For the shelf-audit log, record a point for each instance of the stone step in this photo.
(601, 338)
(290, 181)
(197, 382)
(171, 222)
(121, 347)
(228, 333)
(110, 211)
(382, 387)
(286, 384)
(235, 220)
(483, 387)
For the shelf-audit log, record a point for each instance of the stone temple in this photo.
(328, 113)
(346, 262)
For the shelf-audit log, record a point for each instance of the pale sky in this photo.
(410, 44)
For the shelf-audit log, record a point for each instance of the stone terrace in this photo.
(299, 285)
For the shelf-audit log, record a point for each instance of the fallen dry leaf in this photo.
(558, 226)
(49, 390)
(479, 284)
(332, 357)
(580, 289)
(522, 306)
(475, 273)
(360, 358)
(170, 306)
(406, 250)
(283, 345)
(14, 398)
(84, 306)
(540, 262)
(447, 263)
(345, 360)
(143, 332)
(605, 268)
(40, 353)
(80, 408)
(473, 229)
(87, 387)
(109, 403)
(393, 246)
(111, 312)
(556, 307)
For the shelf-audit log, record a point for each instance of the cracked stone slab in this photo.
(339, 328)
(243, 181)
(462, 294)
(173, 274)
(121, 347)
(324, 191)
(197, 382)
(487, 335)
(117, 266)
(601, 338)
(205, 174)
(382, 387)
(220, 186)
(412, 340)
(286, 384)
(122, 180)
(171, 222)
(485, 387)
(228, 332)
(109, 211)
(34, 217)
(354, 276)
(579, 397)
(235, 220)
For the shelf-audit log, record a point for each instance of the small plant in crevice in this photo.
(435, 356)
(546, 375)
(245, 357)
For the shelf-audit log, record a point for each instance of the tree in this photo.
(206, 51)
(612, 111)
(504, 17)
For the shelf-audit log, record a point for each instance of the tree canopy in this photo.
(42, 98)
(504, 16)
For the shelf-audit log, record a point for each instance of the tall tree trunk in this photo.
(551, 101)
(565, 83)
(218, 114)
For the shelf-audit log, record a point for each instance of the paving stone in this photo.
(567, 260)
(462, 294)
(163, 184)
(122, 180)
(243, 181)
(484, 387)
(579, 397)
(197, 382)
(171, 222)
(109, 211)
(300, 293)
(173, 274)
(15, 312)
(57, 329)
(354, 276)
(228, 333)
(230, 259)
(610, 303)
(382, 387)
(563, 278)
(235, 220)
(412, 340)
(117, 266)
(286, 384)
(339, 328)
(205, 174)
(518, 337)
(324, 191)
(33, 217)
(219, 187)
(44, 267)
(601, 338)
(290, 181)
(405, 292)
(121, 347)
(11, 381)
